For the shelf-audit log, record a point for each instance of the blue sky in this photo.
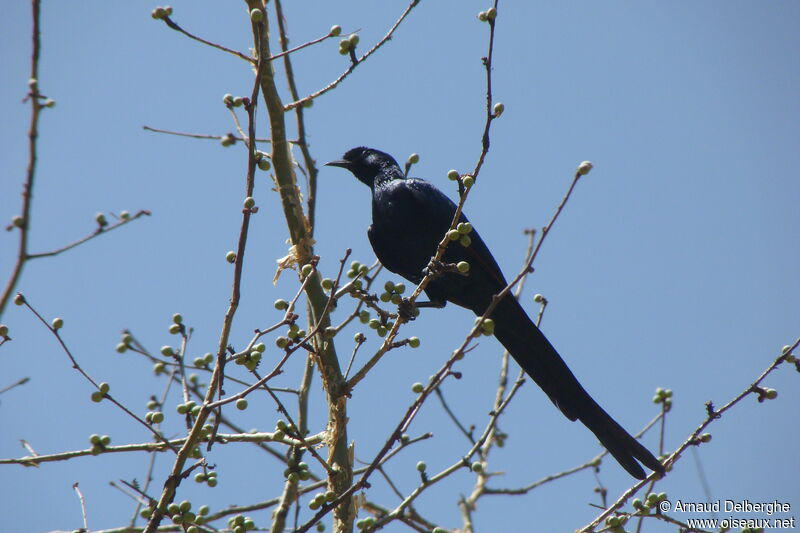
(674, 264)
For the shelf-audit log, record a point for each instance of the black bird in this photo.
(409, 218)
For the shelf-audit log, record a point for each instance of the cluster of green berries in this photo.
(487, 327)
(204, 361)
(321, 498)
(253, 358)
(393, 292)
(161, 12)
(263, 162)
(357, 268)
(489, 14)
(98, 395)
(99, 443)
(651, 501)
(380, 328)
(189, 407)
(154, 417)
(663, 396)
(616, 523)
(461, 234)
(297, 472)
(348, 44)
(209, 478)
(240, 524)
(124, 343)
(467, 180)
(282, 428)
(364, 523)
(177, 324)
(233, 101)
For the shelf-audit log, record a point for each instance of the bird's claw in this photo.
(407, 310)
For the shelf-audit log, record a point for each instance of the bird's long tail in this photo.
(534, 353)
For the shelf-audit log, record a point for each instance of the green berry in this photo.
(400, 288)
(173, 508)
(177, 318)
(327, 284)
(212, 482)
(453, 235)
(100, 218)
(336, 30)
(203, 510)
(241, 404)
(3, 330)
(264, 164)
(281, 342)
(230, 257)
(464, 228)
(417, 387)
(491, 13)
(468, 181)
(353, 40)
(413, 159)
(463, 267)
(584, 168)
(385, 297)
(167, 351)
(256, 15)
(421, 466)
(122, 347)
(97, 396)
(249, 202)
(260, 347)
(175, 329)
(413, 342)
(453, 175)
(498, 109)
(227, 99)
(19, 299)
(538, 298)
(185, 505)
(482, 16)
(17, 221)
(477, 467)
(771, 394)
(306, 270)
(58, 323)
(281, 304)
(374, 323)
(158, 417)
(465, 241)
(104, 387)
(105, 440)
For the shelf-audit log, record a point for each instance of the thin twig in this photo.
(101, 230)
(172, 24)
(83, 505)
(354, 64)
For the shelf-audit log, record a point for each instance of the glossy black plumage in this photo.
(409, 219)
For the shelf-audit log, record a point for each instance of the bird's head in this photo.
(367, 164)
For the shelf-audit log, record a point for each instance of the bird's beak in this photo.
(339, 163)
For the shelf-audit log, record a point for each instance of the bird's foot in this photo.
(407, 310)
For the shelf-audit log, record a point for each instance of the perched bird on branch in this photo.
(409, 219)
